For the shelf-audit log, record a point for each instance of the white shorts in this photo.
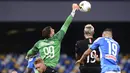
(112, 72)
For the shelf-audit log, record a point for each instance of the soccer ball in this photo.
(85, 6)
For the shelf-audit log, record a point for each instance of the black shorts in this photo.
(50, 70)
(86, 69)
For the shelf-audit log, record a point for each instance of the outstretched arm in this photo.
(60, 34)
(32, 52)
(86, 53)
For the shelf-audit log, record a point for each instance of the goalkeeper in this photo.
(49, 47)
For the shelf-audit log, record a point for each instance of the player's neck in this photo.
(108, 36)
(88, 36)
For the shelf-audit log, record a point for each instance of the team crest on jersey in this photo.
(51, 42)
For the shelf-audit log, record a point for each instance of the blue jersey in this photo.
(31, 63)
(109, 50)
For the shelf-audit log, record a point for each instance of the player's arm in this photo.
(60, 34)
(89, 50)
(96, 57)
(30, 66)
(32, 52)
(86, 53)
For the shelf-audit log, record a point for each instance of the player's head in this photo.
(39, 65)
(88, 30)
(48, 32)
(107, 33)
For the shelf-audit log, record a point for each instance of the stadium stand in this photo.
(66, 64)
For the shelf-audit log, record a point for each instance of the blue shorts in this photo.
(113, 68)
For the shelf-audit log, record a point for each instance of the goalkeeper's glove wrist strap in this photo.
(73, 13)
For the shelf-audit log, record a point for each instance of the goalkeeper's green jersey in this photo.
(49, 49)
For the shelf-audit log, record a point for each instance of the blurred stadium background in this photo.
(22, 21)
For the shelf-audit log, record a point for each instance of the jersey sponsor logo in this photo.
(110, 57)
(51, 42)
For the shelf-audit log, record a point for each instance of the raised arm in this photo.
(60, 34)
(32, 52)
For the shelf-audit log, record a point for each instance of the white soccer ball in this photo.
(85, 6)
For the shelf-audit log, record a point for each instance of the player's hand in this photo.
(75, 6)
(27, 58)
(96, 57)
(78, 62)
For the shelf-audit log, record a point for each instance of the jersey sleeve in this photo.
(96, 44)
(33, 51)
(30, 63)
(60, 34)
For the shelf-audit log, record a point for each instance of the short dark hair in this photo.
(108, 29)
(46, 32)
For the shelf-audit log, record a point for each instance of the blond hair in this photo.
(88, 29)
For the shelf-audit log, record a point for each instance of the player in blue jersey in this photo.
(109, 50)
(30, 66)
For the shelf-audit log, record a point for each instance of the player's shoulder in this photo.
(79, 41)
(39, 42)
(93, 39)
(85, 40)
(112, 40)
(115, 41)
(99, 38)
